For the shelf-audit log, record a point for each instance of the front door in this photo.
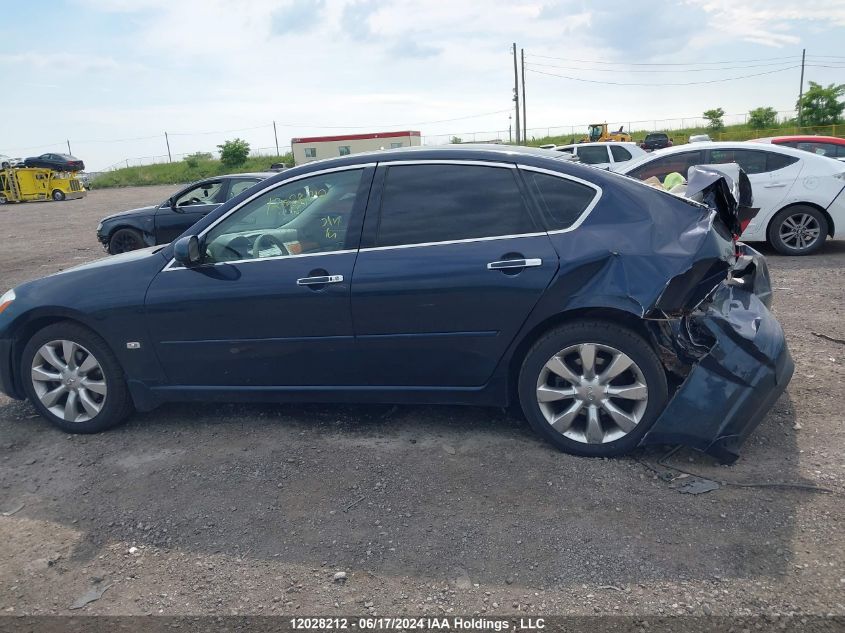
(269, 305)
(187, 207)
(454, 265)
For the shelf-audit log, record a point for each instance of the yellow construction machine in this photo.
(597, 132)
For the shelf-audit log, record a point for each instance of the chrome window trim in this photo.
(586, 212)
(448, 161)
(281, 183)
(172, 266)
(447, 242)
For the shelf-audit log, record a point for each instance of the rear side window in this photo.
(561, 200)
(665, 165)
(593, 155)
(620, 154)
(752, 161)
(438, 203)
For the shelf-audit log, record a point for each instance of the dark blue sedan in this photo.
(615, 314)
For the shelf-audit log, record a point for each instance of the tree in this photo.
(762, 118)
(193, 160)
(234, 153)
(714, 118)
(455, 140)
(820, 105)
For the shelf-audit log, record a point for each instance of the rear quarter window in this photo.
(561, 200)
(620, 154)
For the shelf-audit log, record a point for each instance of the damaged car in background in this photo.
(615, 314)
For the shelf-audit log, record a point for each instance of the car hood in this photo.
(136, 213)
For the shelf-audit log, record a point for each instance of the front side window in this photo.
(561, 200)
(438, 203)
(344, 150)
(310, 215)
(204, 193)
(593, 155)
(310, 152)
(661, 167)
(620, 154)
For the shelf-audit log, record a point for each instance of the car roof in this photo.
(700, 145)
(247, 174)
(602, 143)
(801, 139)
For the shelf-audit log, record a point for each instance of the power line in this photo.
(732, 61)
(655, 70)
(685, 83)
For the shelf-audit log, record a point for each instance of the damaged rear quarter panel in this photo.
(730, 389)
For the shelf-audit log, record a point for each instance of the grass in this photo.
(181, 171)
(193, 168)
(738, 132)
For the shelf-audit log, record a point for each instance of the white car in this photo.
(800, 195)
(610, 155)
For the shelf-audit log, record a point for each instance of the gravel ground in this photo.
(223, 510)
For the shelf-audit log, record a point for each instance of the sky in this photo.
(112, 76)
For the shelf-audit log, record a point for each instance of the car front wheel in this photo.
(74, 380)
(125, 240)
(58, 196)
(592, 388)
(798, 230)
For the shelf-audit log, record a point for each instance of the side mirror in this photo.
(186, 251)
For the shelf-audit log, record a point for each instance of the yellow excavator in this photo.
(597, 132)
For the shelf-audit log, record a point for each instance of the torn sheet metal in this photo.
(732, 386)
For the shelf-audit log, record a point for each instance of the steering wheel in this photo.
(194, 200)
(265, 241)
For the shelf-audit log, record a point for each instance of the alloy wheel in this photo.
(799, 231)
(592, 393)
(68, 381)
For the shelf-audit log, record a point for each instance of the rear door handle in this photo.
(319, 281)
(506, 264)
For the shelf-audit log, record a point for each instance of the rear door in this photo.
(451, 264)
(771, 175)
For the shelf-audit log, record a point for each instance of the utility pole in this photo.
(276, 136)
(801, 87)
(510, 128)
(68, 147)
(516, 91)
(524, 120)
(167, 140)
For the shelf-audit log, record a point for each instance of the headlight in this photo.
(6, 300)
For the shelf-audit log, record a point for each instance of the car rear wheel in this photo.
(592, 388)
(798, 230)
(58, 196)
(74, 380)
(125, 240)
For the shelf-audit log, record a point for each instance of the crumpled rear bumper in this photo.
(732, 386)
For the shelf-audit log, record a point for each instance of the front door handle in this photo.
(319, 281)
(507, 264)
(774, 186)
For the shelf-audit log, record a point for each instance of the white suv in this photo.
(609, 155)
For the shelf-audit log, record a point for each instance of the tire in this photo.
(125, 240)
(782, 230)
(86, 396)
(584, 424)
(57, 195)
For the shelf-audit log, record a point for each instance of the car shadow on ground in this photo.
(406, 490)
